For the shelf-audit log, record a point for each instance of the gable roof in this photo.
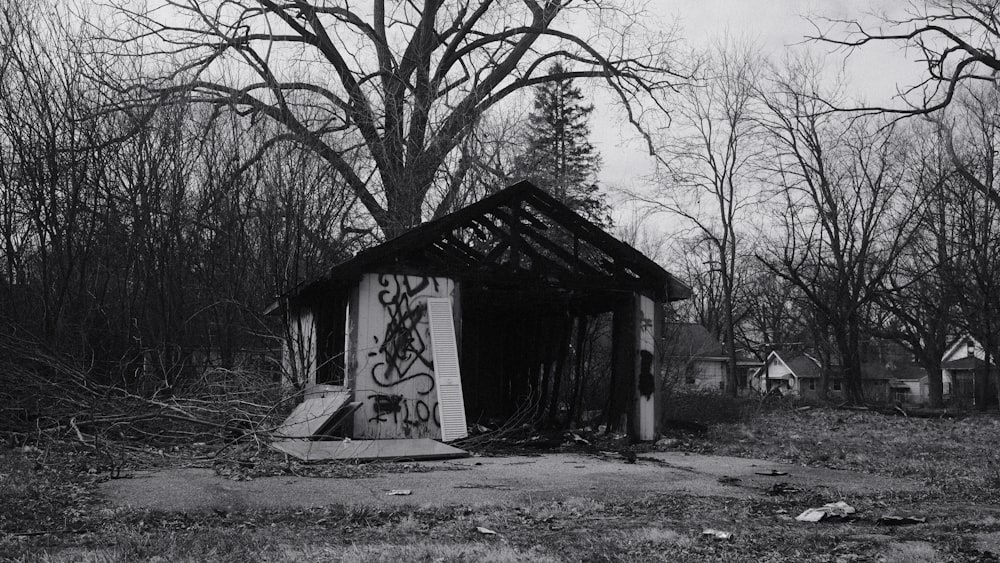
(803, 365)
(957, 345)
(798, 364)
(519, 234)
(692, 340)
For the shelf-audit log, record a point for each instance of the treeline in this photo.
(829, 229)
(145, 241)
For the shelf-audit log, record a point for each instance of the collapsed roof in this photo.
(519, 236)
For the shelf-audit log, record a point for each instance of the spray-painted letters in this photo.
(397, 375)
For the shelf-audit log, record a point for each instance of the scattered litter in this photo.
(663, 443)
(727, 480)
(485, 531)
(579, 439)
(717, 534)
(772, 473)
(482, 486)
(399, 493)
(839, 509)
(900, 520)
(783, 488)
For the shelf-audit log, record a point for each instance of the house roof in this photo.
(519, 235)
(960, 342)
(800, 365)
(969, 362)
(803, 366)
(909, 372)
(692, 340)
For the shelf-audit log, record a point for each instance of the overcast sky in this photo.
(777, 26)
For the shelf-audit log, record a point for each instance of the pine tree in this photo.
(559, 157)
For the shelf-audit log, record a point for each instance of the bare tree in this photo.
(708, 169)
(847, 219)
(957, 40)
(919, 300)
(386, 94)
(971, 140)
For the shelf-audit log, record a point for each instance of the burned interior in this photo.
(526, 276)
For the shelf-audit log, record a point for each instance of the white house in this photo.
(958, 367)
(694, 359)
(794, 374)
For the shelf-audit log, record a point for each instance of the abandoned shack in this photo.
(507, 275)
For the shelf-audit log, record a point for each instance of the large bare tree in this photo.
(848, 215)
(955, 40)
(386, 92)
(708, 164)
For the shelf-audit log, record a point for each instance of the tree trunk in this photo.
(730, 337)
(935, 383)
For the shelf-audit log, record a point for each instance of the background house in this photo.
(789, 373)
(693, 358)
(959, 365)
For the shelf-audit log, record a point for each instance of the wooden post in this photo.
(646, 369)
(623, 366)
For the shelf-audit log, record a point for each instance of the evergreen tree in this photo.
(559, 157)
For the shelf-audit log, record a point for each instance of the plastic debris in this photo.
(485, 531)
(839, 509)
(889, 520)
(717, 534)
(399, 493)
(727, 480)
(772, 473)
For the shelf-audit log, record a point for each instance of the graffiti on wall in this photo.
(402, 358)
(401, 411)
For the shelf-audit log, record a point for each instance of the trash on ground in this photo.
(839, 509)
(889, 520)
(727, 480)
(783, 488)
(485, 531)
(399, 493)
(717, 534)
(772, 473)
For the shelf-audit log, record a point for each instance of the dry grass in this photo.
(950, 456)
(946, 454)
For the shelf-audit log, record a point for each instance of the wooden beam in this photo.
(571, 260)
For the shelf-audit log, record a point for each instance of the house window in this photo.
(722, 385)
(812, 384)
(970, 349)
(901, 394)
(836, 385)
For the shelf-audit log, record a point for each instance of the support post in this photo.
(624, 325)
(646, 369)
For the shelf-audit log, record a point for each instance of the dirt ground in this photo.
(494, 480)
(748, 478)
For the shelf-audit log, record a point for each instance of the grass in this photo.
(948, 454)
(953, 458)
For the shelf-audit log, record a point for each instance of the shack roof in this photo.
(518, 236)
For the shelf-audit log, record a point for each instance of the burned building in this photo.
(494, 285)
